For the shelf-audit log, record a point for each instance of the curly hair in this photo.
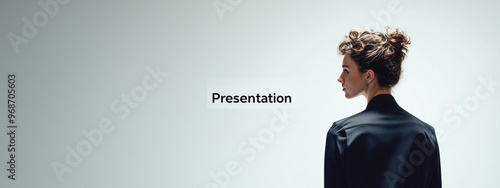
(382, 53)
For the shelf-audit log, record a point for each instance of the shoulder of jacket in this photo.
(339, 125)
(422, 123)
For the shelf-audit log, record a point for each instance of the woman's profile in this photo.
(384, 145)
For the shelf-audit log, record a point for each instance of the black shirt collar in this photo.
(381, 101)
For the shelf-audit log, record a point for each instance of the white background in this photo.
(89, 53)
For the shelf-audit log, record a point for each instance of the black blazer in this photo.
(382, 146)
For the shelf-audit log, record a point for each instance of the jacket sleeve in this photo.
(435, 181)
(334, 175)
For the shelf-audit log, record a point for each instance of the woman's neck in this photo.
(374, 91)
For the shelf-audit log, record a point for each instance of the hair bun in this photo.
(382, 53)
(398, 40)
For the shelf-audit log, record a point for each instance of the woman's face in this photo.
(352, 80)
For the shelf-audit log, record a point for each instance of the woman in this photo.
(382, 146)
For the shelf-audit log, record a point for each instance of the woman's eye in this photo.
(345, 71)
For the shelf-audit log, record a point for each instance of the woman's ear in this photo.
(370, 75)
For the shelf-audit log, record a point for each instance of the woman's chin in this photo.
(349, 95)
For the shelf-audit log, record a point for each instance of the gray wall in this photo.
(117, 93)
